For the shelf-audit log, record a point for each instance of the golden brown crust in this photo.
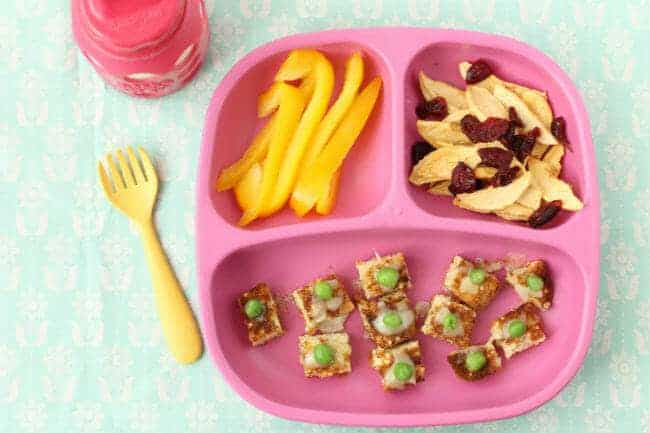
(368, 268)
(457, 278)
(518, 279)
(434, 328)
(268, 325)
(304, 299)
(534, 335)
(369, 311)
(342, 354)
(457, 361)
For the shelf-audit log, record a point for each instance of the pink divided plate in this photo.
(378, 210)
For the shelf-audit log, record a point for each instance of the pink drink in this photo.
(146, 48)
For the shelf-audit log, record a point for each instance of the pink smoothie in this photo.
(145, 48)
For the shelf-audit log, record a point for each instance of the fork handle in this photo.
(179, 325)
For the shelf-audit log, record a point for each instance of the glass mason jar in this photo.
(145, 48)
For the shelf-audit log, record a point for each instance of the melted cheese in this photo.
(319, 309)
(390, 381)
(405, 314)
(456, 332)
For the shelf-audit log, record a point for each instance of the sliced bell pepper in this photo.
(351, 83)
(256, 152)
(297, 66)
(318, 177)
(289, 102)
(248, 188)
(325, 204)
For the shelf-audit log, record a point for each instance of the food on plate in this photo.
(297, 66)
(325, 355)
(381, 275)
(351, 83)
(301, 148)
(400, 366)
(260, 314)
(552, 187)
(324, 304)
(532, 283)
(389, 320)
(318, 177)
(496, 146)
(433, 88)
(519, 329)
(231, 175)
(449, 321)
(289, 103)
(247, 188)
(475, 362)
(471, 283)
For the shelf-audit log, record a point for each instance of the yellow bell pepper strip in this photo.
(317, 178)
(351, 83)
(323, 74)
(248, 188)
(289, 102)
(325, 204)
(256, 152)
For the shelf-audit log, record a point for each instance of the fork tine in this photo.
(124, 168)
(103, 177)
(135, 166)
(149, 169)
(115, 174)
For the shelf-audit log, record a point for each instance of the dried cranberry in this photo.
(490, 129)
(558, 129)
(479, 71)
(504, 176)
(462, 179)
(435, 109)
(495, 157)
(514, 118)
(469, 123)
(545, 213)
(419, 150)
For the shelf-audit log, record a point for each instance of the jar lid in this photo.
(125, 26)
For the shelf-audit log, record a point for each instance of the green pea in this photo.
(254, 308)
(387, 277)
(323, 354)
(449, 322)
(477, 276)
(403, 371)
(323, 290)
(516, 328)
(535, 282)
(475, 360)
(392, 320)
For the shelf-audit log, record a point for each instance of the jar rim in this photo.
(126, 28)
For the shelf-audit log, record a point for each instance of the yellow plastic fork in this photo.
(133, 189)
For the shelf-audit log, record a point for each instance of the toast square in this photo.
(457, 361)
(534, 334)
(368, 270)
(384, 360)
(267, 326)
(518, 278)
(341, 364)
(456, 331)
(373, 313)
(325, 316)
(458, 282)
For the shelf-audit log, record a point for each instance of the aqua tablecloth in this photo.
(80, 346)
